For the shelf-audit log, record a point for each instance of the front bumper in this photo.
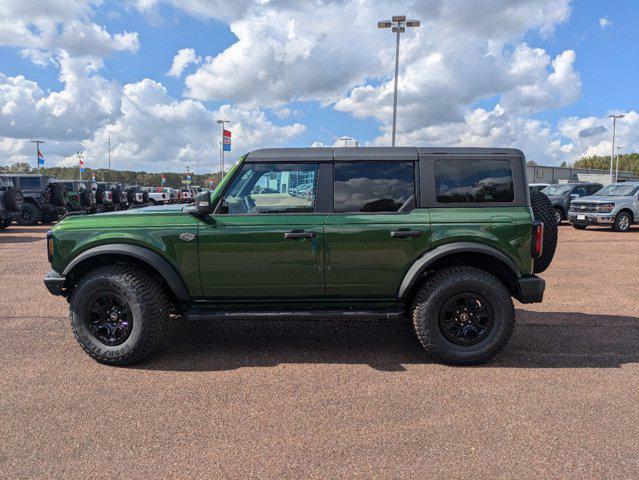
(55, 282)
(591, 218)
(530, 289)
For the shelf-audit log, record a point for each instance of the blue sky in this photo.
(289, 77)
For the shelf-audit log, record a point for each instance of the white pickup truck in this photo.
(158, 196)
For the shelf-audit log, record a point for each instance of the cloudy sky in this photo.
(154, 75)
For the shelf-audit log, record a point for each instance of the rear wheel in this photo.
(463, 315)
(622, 222)
(119, 314)
(544, 212)
(30, 215)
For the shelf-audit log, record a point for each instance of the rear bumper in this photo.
(55, 282)
(531, 289)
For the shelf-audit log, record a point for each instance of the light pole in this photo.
(222, 122)
(109, 144)
(37, 142)
(614, 131)
(80, 156)
(617, 164)
(398, 23)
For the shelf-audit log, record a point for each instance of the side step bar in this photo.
(206, 314)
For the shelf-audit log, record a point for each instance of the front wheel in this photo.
(622, 222)
(119, 314)
(463, 316)
(558, 216)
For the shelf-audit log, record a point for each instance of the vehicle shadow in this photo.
(14, 229)
(540, 340)
(11, 239)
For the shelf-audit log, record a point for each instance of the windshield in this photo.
(556, 190)
(618, 190)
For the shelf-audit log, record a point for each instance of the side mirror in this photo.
(203, 204)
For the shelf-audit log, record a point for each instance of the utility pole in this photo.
(37, 143)
(617, 167)
(109, 144)
(80, 157)
(398, 23)
(614, 131)
(222, 122)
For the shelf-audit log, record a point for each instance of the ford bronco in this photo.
(444, 238)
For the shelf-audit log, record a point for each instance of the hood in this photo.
(602, 199)
(557, 198)
(156, 209)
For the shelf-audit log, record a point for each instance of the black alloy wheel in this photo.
(466, 319)
(110, 319)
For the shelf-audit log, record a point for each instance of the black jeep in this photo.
(44, 200)
(11, 201)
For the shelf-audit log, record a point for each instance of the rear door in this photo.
(375, 231)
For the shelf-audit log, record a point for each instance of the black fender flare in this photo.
(157, 262)
(422, 263)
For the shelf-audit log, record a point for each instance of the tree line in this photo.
(146, 179)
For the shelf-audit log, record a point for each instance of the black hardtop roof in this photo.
(370, 153)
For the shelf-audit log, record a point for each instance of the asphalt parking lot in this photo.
(330, 399)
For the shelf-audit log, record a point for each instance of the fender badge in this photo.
(187, 237)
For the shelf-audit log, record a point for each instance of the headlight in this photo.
(605, 207)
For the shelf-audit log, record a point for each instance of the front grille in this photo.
(584, 207)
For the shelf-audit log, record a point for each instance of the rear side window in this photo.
(30, 182)
(373, 186)
(473, 181)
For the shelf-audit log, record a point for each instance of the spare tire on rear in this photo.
(99, 195)
(543, 212)
(13, 199)
(117, 195)
(145, 196)
(59, 195)
(86, 198)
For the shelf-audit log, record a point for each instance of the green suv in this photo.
(442, 237)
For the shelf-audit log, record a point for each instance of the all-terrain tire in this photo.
(147, 303)
(86, 198)
(439, 289)
(544, 212)
(99, 196)
(623, 220)
(30, 215)
(145, 197)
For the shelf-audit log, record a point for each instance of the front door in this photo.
(375, 232)
(267, 243)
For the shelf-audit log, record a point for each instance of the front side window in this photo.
(374, 187)
(474, 181)
(618, 190)
(262, 188)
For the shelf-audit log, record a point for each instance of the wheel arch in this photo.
(109, 254)
(629, 212)
(485, 257)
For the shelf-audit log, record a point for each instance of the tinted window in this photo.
(273, 188)
(373, 186)
(581, 191)
(474, 181)
(30, 182)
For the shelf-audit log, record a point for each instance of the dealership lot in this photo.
(330, 398)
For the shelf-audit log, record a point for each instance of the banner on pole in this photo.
(40, 158)
(226, 140)
(81, 165)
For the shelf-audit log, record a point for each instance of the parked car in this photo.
(537, 187)
(44, 200)
(562, 194)
(616, 205)
(11, 202)
(385, 235)
(79, 196)
(157, 196)
(136, 195)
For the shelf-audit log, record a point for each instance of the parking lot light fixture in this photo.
(398, 24)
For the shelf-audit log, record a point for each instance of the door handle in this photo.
(405, 233)
(296, 235)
